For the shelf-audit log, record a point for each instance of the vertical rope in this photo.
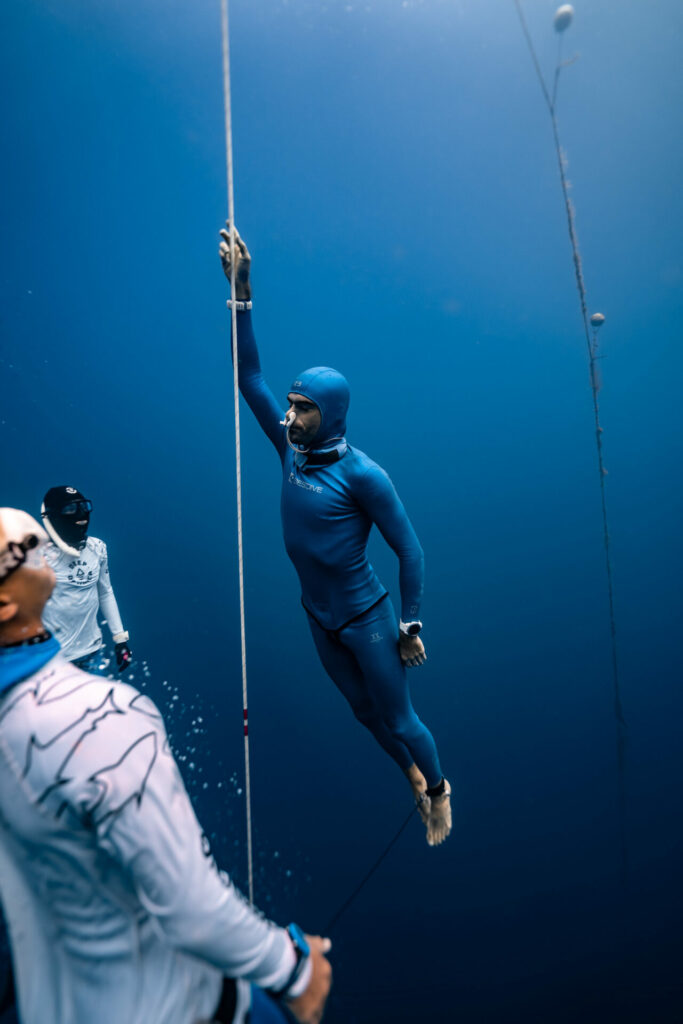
(592, 348)
(227, 102)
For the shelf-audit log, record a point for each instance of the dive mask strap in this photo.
(14, 555)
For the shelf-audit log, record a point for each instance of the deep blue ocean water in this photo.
(397, 186)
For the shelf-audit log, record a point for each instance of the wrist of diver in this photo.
(410, 629)
(242, 290)
(300, 975)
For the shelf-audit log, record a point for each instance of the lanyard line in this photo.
(368, 875)
(238, 458)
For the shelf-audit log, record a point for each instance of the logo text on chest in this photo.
(79, 573)
(304, 484)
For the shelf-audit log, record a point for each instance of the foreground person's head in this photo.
(66, 515)
(26, 581)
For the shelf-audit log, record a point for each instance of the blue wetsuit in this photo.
(331, 496)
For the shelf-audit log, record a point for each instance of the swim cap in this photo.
(19, 535)
(66, 514)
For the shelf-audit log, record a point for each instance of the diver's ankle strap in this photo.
(438, 790)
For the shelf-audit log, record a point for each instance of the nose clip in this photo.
(289, 419)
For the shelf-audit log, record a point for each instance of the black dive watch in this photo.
(410, 628)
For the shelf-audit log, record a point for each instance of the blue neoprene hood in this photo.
(330, 392)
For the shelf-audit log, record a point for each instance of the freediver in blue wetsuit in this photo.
(332, 494)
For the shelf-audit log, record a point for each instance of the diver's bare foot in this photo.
(418, 784)
(439, 822)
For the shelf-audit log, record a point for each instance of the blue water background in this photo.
(397, 185)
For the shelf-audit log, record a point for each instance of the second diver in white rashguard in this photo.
(116, 910)
(124, 917)
(83, 590)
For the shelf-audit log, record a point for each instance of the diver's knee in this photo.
(403, 729)
(367, 716)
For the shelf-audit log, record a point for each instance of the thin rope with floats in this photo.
(368, 875)
(592, 349)
(227, 103)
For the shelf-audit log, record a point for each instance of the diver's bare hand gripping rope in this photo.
(236, 395)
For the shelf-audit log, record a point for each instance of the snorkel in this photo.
(290, 416)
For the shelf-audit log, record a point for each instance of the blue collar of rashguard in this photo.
(17, 663)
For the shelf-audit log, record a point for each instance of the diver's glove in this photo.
(124, 656)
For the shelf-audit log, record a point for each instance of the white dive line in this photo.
(227, 102)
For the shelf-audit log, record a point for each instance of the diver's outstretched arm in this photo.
(131, 792)
(252, 383)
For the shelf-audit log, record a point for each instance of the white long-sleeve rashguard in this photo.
(83, 589)
(115, 907)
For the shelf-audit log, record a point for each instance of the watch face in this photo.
(413, 629)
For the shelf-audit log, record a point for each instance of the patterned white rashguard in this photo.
(116, 911)
(82, 590)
